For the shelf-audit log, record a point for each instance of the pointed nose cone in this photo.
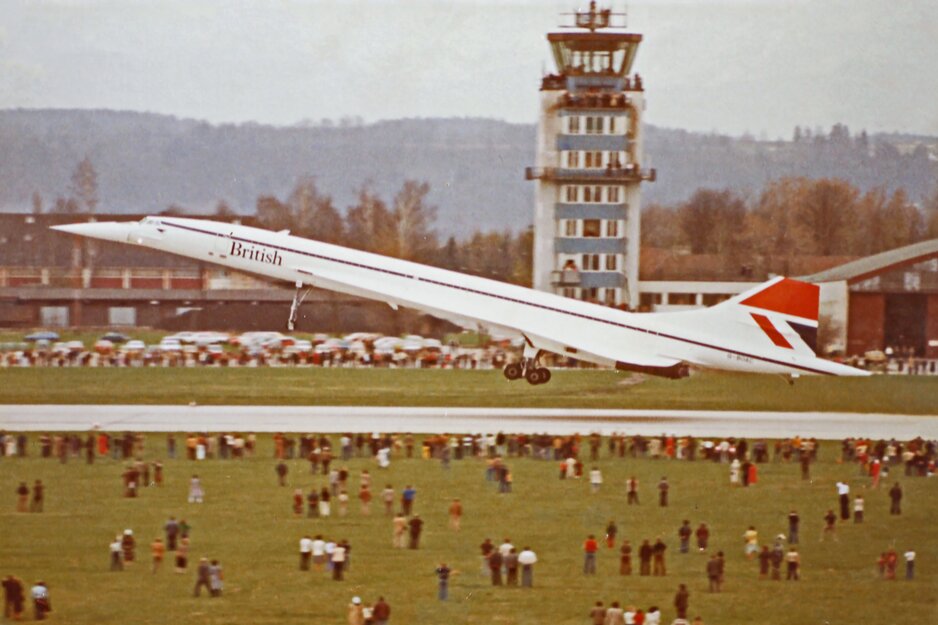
(106, 230)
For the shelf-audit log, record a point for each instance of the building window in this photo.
(682, 299)
(573, 159)
(570, 193)
(122, 316)
(612, 228)
(53, 316)
(647, 300)
(590, 294)
(712, 299)
(591, 227)
(570, 292)
(594, 160)
(569, 228)
(611, 296)
(590, 262)
(612, 195)
(573, 125)
(612, 262)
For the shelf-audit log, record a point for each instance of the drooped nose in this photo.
(106, 230)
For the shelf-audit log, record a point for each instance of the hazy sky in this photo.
(731, 66)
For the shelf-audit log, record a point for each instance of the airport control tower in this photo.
(589, 166)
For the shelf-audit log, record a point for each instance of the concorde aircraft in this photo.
(771, 328)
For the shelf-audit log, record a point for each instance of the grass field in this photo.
(434, 387)
(247, 524)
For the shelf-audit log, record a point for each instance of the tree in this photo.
(66, 206)
(85, 185)
(412, 221)
(370, 225)
(710, 221)
(223, 210)
(827, 216)
(660, 226)
(37, 203)
(274, 214)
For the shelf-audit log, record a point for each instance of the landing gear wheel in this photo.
(512, 371)
(537, 376)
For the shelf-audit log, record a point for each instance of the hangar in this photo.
(885, 301)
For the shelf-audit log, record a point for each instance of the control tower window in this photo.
(591, 227)
(573, 125)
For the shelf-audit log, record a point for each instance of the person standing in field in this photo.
(681, 601)
(611, 531)
(22, 497)
(657, 551)
(663, 488)
(843, 493)
(182, 555)
(684, 533)
(895, 498)
(590, 547)
(596, 480)
(625, 558)
(644, 558)
(703, 537)
(407, 499)
(172, 532)
(157, 551)
(39, 497)
(306, 552)
(793, 522)
(196, 493)
(117, 562)
(364, 498)
(399, 529)
(632, 491)
(455, 515)
(416, 527)
(202, 577)
(793, 559)
(527, 559)
(858, 506)
(215, 579)
(751, 541)
(381, 612)
(387, 496)
(443, 573)
(830, 525)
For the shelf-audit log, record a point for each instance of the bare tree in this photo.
(84, 187)
(413, 221)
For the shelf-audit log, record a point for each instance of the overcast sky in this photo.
(727, 65)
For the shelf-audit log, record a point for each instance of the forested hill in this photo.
(475, 167)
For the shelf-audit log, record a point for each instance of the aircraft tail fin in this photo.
(784, 310)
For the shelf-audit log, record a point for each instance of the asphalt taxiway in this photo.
(163, 418)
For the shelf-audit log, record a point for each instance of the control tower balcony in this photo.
(565, 277)
(629, 173)
(601, 101)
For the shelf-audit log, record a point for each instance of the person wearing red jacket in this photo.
(590, 547)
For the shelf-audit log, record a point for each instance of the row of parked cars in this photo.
(214, 344)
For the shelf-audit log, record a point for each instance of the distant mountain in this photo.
(475, 167)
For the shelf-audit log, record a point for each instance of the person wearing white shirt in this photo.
(527, 559)
(318, 549)
(653, 616)
(306, 552)
(843, 490)
(909, 564)
(338, 562)
(505, 548)
(596, 479)
(117, 562)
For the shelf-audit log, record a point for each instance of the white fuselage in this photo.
(550, 322)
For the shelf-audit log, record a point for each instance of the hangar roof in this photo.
(869, 266)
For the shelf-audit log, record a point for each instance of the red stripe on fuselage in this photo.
(789, 297)
(770, 330)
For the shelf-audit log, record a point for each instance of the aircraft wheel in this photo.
(545, 375)
(535, 376)
(512, 371)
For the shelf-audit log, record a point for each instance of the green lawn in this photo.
(386, 387)
(247, 524)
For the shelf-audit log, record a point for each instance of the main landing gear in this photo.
(529, 368)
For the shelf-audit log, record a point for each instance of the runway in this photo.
(150, 418)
